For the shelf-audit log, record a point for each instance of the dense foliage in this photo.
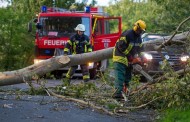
(161, 16)
(16, 44)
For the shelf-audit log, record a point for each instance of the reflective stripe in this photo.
(76, 42)
(74, 49)
(85, 48)
(122, 38)
(135, 44)
(86, 77)
(69, 41)
(93, 29)
(89, 49)
(67, 75)
(120, 59)
(128, 49)
(66, 49)
(88, 43)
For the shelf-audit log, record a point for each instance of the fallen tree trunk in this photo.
(29, 73)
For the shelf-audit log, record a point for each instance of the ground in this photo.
(21, 108)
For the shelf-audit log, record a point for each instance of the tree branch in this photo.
(81, 102)
(177, 29)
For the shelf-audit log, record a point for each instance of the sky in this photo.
(102, 2)
(99, 2)
(3, 4)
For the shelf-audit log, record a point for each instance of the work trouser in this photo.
(84, 69)
(123, 76)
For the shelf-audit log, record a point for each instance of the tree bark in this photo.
(31, 72)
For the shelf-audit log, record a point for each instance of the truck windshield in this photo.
(62, 26)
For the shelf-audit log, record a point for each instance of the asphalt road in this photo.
(49, 109)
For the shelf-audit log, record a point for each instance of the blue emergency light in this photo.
(87, 9)
(44, 9)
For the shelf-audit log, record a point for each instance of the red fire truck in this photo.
(56, 25)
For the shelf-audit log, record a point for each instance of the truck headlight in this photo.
(90, 65)
(147, 56)
(184, 58)
(37, 61)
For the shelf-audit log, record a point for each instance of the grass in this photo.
(173, 115)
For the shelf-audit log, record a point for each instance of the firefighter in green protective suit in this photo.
(78, 43)
(125, 50)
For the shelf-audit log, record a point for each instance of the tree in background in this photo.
(93, 3)
(161, 16)
(132, 11)
(172, 12)
(15, 44)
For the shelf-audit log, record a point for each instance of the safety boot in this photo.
(86, 80)
(117, 96)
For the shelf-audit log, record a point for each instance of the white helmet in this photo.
(80, 27)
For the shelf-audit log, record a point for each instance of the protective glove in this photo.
(136, 60)
(130, 58)
(84, 42)
(77, 42)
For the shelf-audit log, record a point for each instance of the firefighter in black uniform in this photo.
(125, 50)
(78, 43)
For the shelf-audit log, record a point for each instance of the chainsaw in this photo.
(136, 64)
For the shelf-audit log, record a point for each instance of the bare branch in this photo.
(81, 102)
(169, 40)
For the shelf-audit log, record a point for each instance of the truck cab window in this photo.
(64, 26)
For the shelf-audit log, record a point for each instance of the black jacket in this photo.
(78, 44)
(126, 47)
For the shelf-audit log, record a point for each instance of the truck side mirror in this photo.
(29, 27)
(35, 20)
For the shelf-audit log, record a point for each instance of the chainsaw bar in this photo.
(138, 68)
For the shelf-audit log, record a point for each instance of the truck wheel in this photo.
(93, 73)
